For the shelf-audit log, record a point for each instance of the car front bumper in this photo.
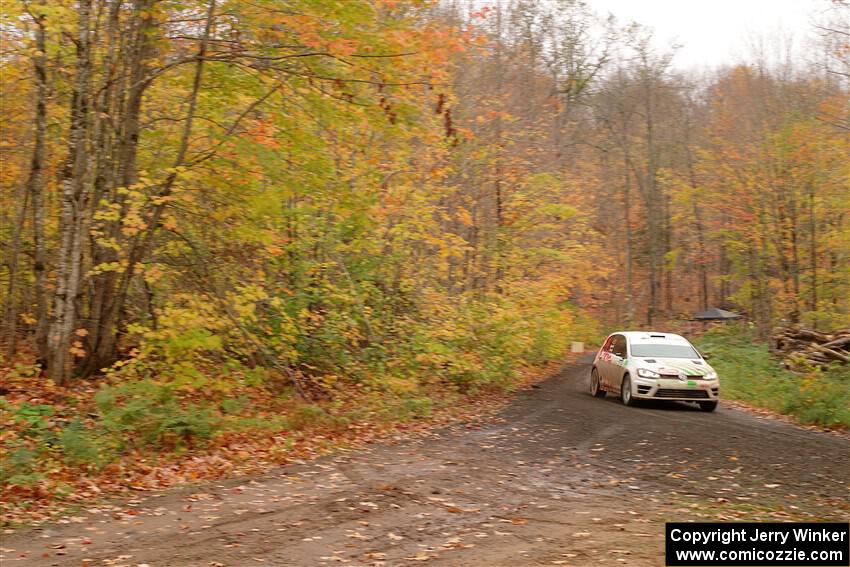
(675, 389)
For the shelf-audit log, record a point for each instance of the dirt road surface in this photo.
(558, 478)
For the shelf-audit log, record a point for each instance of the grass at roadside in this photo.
(749, 373)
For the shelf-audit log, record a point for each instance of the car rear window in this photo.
(664, 351)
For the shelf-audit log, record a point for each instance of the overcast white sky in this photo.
(716, 32)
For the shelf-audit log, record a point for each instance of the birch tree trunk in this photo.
(74, 206)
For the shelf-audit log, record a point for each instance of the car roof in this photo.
(652, 337)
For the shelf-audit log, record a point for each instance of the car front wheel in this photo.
(595, 388)
(626, 392)
(708, 406)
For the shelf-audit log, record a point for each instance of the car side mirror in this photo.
(706, 356)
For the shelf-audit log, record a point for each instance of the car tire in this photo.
(626, 391)
(595, 387)
(707, 406)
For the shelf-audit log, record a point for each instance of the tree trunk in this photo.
(106, 305)
(653, 224)
(703, 272)
(627, 220)
(497, 256)
(33, 190)
(109, 322)
(11, 311)
(698, 224)
(813, 250)
(74, 205)
(668, 266)
(795, 257)
(35, 186)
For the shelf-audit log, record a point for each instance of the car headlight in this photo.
(647, 373)
(711, 375)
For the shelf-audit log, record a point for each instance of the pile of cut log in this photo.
(801, 346)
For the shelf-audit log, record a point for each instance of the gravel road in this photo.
(558, 478)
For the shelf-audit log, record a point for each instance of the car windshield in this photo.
(664, 351)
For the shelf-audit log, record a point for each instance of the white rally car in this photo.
(638, 365)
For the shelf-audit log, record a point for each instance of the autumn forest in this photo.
(223, 220)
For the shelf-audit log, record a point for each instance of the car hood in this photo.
(687, 366)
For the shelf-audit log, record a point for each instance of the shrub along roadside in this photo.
(183, 407)
(750, 374)
(53, 462)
